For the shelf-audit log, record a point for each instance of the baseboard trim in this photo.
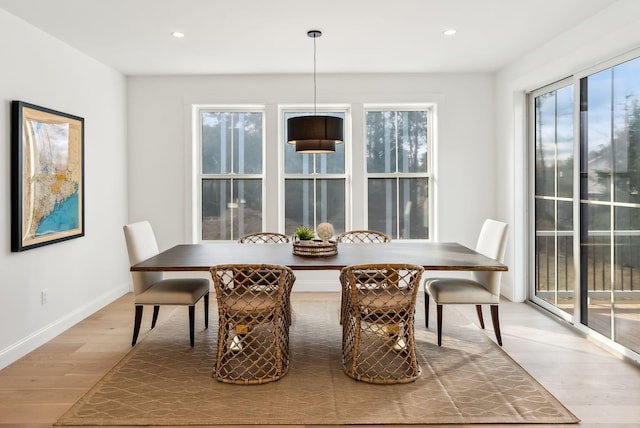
(38, 338)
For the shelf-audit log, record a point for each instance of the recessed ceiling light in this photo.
(449, 32)
(177, 34)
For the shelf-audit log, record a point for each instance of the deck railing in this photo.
(598, 264)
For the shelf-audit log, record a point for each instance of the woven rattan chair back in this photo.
(267, 238)
(253, 332)
(362, 237)
(264, 238)
(378, 344)
(359, 237)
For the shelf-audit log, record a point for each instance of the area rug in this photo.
(163, 381)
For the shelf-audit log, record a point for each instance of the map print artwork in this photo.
(51, 161)
(50, 187)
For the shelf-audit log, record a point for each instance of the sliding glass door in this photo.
(586, 221)
(554, 270)
(610, 202)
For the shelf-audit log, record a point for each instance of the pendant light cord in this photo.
(315, 111)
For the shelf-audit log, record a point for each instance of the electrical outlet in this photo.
(43, 297)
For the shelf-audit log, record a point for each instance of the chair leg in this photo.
(192, 321)
(439, 316)
(206, 310)
(156, 310)
(426, 309)
(480, 318)
(136, 324)
(496, 323)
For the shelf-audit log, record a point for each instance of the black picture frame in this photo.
(47, 176)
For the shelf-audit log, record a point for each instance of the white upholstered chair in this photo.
(149, 288)
(482, 288)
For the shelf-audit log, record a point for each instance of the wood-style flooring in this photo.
(599, 388)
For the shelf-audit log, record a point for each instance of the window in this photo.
(231, 174)
(314, 185)
(398, 172)
(236, 195)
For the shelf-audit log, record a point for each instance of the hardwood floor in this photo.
(596, 386)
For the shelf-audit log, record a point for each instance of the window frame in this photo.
(430, 109)
(581, 295)
(531, 292)
(200, 176)
(346, 110)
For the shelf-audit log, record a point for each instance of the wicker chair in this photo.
(264, 238)
(268, 238)
(358, 237)
(377, 332)
(253, 332)
(362, 237)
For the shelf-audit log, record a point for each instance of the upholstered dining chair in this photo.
(483, 288)
(378, 343)
(363, 236)
(252, 303)
(264, 238)
(149, 288)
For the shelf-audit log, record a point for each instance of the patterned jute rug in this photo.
(163, 381)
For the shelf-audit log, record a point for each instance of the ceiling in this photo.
(269, 36)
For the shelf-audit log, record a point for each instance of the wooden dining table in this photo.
(433, 256)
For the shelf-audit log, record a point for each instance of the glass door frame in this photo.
(531, 218)
(580, 302)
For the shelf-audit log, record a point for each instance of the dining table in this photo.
(433, 256)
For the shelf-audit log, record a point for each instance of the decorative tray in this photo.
(315, 248)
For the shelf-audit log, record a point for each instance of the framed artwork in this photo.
(47, 176)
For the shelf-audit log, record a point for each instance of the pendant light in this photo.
(315, 134)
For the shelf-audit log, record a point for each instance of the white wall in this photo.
(84, 274)
(161, 142)
(608, 34)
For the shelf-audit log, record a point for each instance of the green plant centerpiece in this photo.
(304, 233)
(305, 244)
